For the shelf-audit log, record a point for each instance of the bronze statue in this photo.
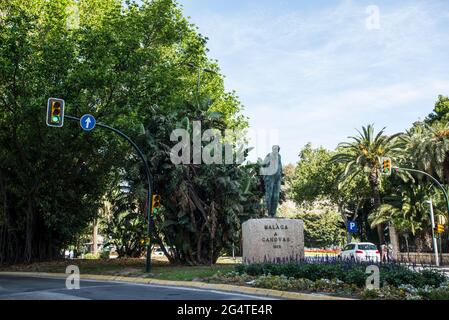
(272, 172)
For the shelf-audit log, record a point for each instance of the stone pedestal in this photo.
(272, 240)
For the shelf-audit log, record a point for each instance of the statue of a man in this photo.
(272, 172)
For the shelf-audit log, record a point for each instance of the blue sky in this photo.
(312, 71)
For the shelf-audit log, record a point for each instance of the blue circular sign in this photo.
(87, 122)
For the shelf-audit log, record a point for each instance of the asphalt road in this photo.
(30, 288)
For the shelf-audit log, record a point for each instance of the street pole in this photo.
(149, 183)
(435, 246)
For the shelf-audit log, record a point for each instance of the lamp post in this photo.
(435, 246)
(199, 69)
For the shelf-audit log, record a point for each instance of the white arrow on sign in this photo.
(88, 122)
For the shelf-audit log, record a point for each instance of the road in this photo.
(30, 288)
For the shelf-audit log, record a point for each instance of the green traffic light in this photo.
(55, 119)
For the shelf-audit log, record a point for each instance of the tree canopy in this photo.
(128, 64)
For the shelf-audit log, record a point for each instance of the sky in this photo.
(315, 71)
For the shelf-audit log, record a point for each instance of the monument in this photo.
(272, 177)
(272, 239)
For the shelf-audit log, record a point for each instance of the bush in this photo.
(432, 277)
(274, 282)
(91, 256)
(441, 293)
(230, 278)
(303, 285)
(349, 272)
(369, 294)
(104, 254)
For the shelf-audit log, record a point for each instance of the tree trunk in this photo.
(95, 238)
(374, 184)
(394, 239)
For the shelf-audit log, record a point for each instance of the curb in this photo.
(275, 294)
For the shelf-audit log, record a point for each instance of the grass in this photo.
(161, 269)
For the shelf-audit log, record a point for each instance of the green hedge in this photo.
(350, 273)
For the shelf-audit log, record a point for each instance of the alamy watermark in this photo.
(372, 22)
(229, 148)
(73, 280)
(373, 280)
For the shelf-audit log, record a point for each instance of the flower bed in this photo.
(340, 278)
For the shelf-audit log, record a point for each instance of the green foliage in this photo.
(402, 276)
(230, 278)
(441, 293)
(91, 256)
(314, 176)
(440, 112)
(274, 282)
(349, 273)
(369, 294)
(322, 229)
(315, 186)
(126, 65)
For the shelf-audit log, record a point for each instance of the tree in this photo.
(203, 205)
(323, 229)
(440, 112)
(119, 62)
(315, 183)
(426, 147)
(362, 157)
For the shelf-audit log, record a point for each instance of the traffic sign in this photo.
(352, 227)
(87, 122)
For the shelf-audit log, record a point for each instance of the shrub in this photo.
(274, 282)
(349, 272)
(104, 254)
(432, 277)
(230, 278)
(303, 284)
(91, 256)
(369, 294)
(441, 293)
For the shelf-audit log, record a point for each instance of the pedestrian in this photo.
(384, 253)
(389, 252)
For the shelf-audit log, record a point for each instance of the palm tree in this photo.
(426, 147)
(362, 156)
(406, 209)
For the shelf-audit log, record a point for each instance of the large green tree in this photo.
(362, 157)
(315, 184)
(127, 64)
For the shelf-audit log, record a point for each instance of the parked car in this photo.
(360, 251)
(158, 252)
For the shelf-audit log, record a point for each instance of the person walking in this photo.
(384, 253)
(389, 253)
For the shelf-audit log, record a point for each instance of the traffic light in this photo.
(386, 166)
(439, 228)
(156, 203)
(55, 112)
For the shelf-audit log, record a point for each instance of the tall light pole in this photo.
(435, 246)
(199, 69)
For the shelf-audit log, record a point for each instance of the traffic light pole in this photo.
(149, 182)
(434, 238)
(433, 179)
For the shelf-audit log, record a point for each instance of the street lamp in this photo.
(432, 218)
(199, 69)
